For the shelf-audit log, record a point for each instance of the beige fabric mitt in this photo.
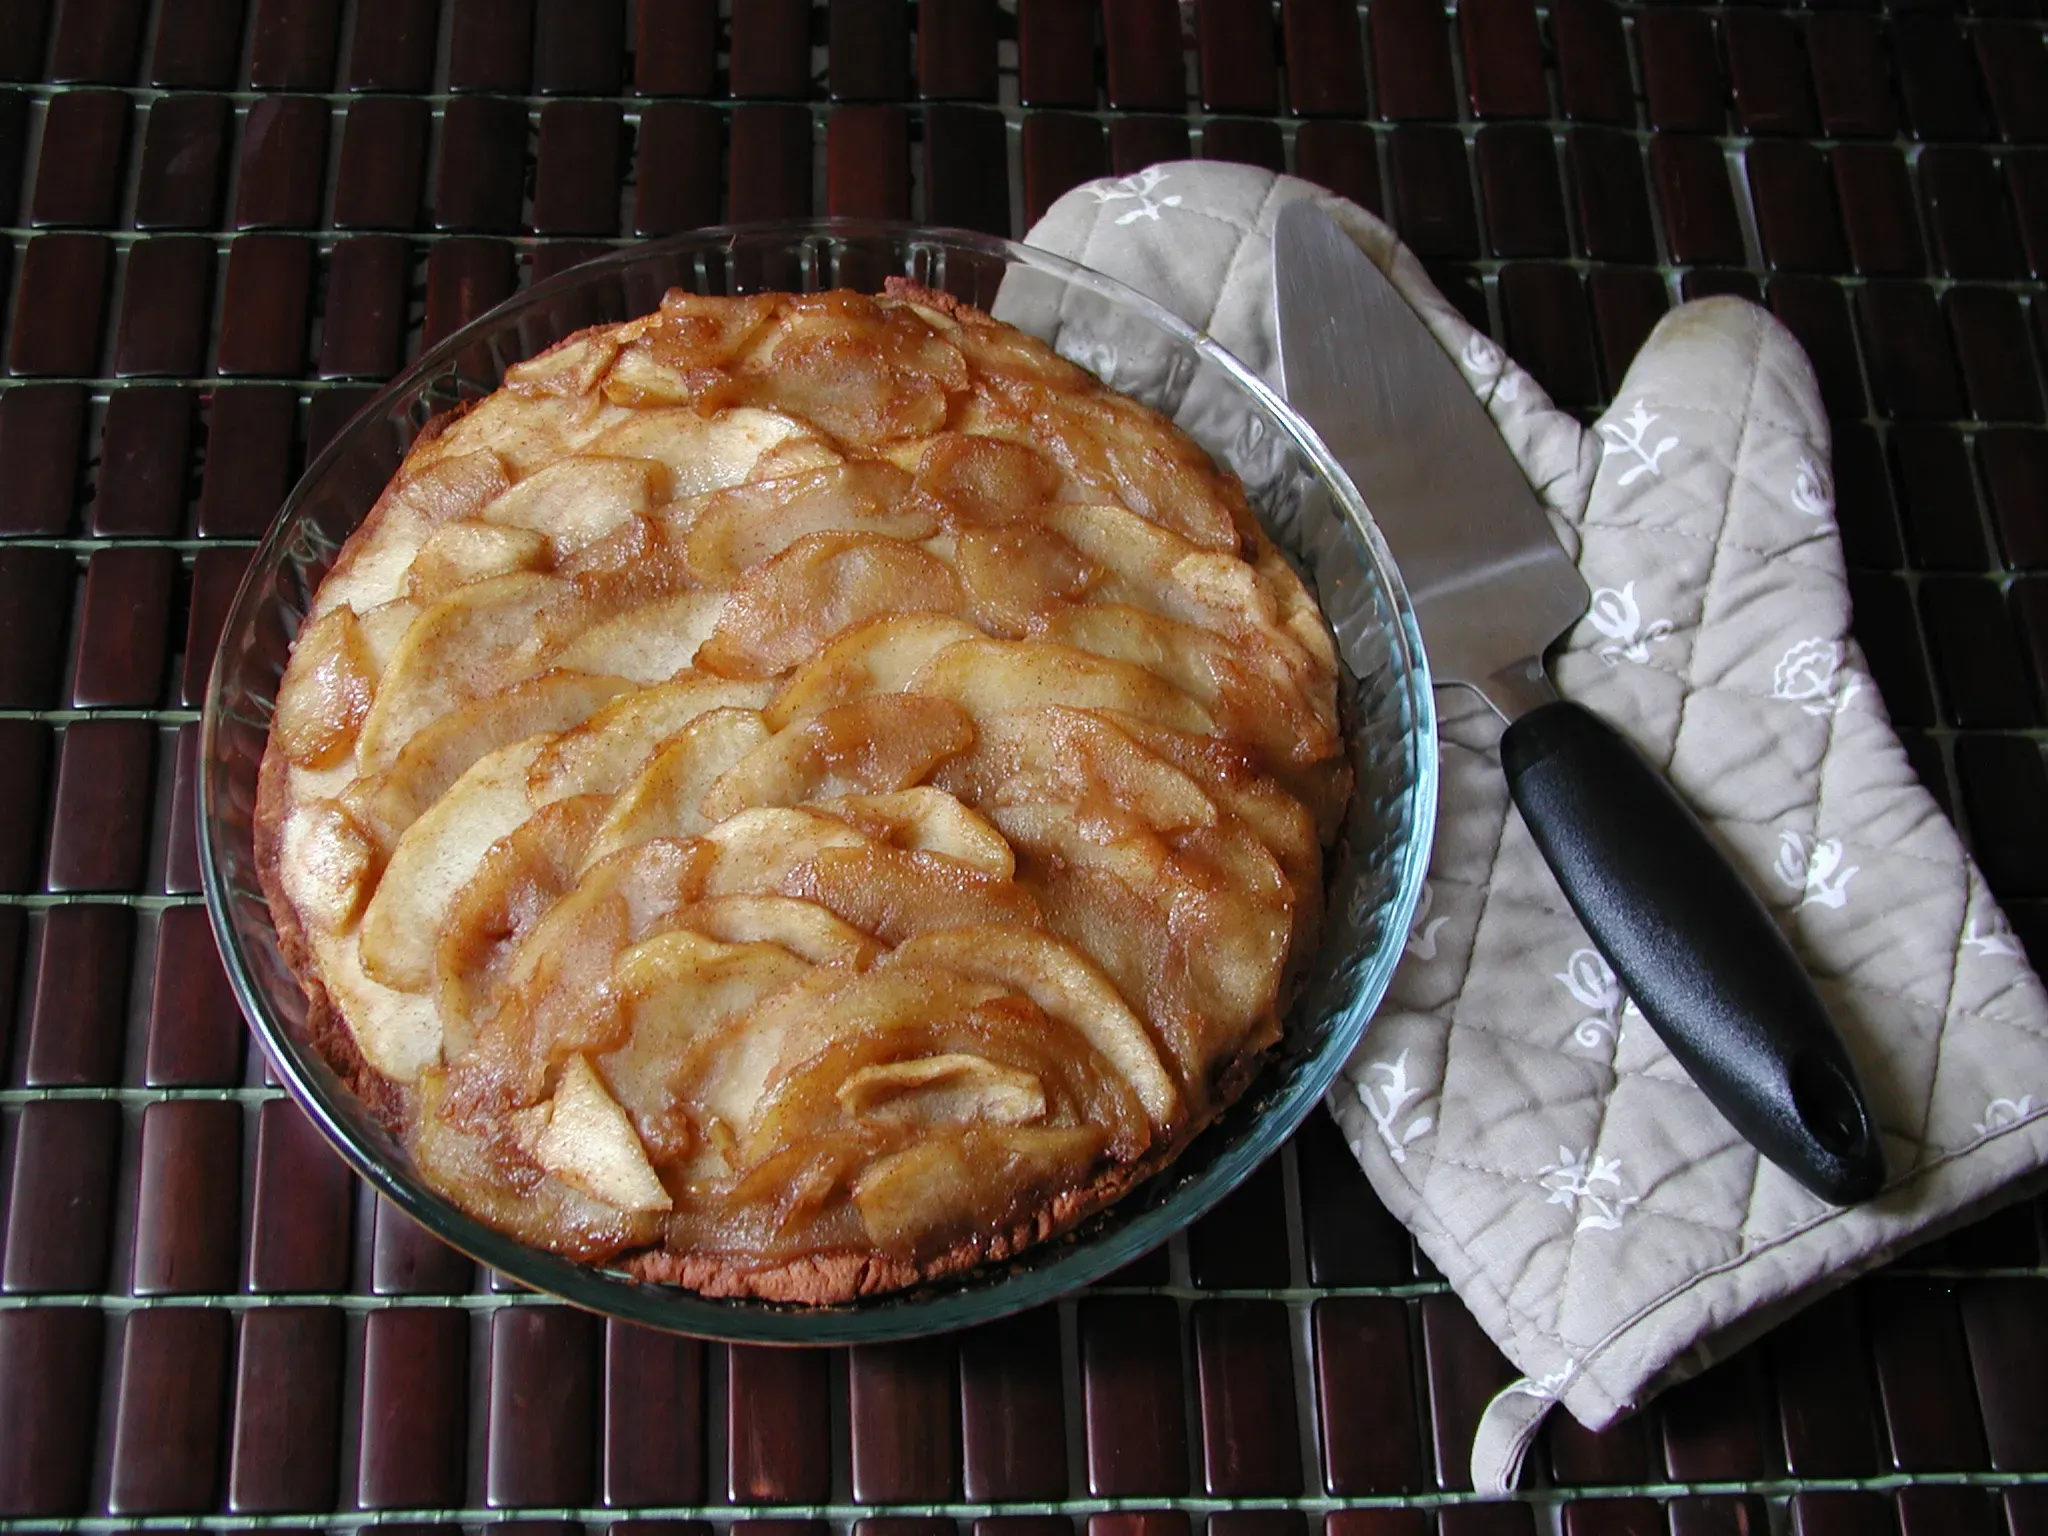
(1604, 1224)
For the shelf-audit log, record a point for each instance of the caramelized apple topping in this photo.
(805, 786)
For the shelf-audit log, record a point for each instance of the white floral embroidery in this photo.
(1811, 492)
(1628, 438)
(1421, 941)
(1140, 187)
(1998, 939)
(1571, 1181)
(1815, 868)
(2000, 1113)
(1593, 984)
(1385, 1102)
(1810, 674)
(1616, 615)
(1488, 364)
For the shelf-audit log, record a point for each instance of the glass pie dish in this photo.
(1374, 873)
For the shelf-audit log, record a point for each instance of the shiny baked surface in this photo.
(803, 793)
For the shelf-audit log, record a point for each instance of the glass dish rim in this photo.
(897, 1315)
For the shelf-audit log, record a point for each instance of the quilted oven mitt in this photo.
(1604, 1224)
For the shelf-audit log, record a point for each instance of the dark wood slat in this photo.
(184, 144)
(22, 39)
(1593, 82)
(653, 1441)
(1947, 1510)
(195, 1027)
(1712, 1424)
(283, 164)
(24, 767)
(491, 46)
(1923, 1378)
(1768, 73)
(956, 50)
(1487, 1520)
(1465, 1371)
(1826, 1414)
(100, 819)
(1351, 1239)
(189, 1203)
(1584, 1458)
(905, 1413)
(770, 50)
(542, 1435)
(284, 1448)
(1990, 336)
(2006, 1324)
(1891, 644)
(144, 442)
(40, 427)
(771, 162)
(576, 179)
(1341, 156)
(1795, 213)
(60, 1204)
(1056, 53)
(167, 1411)
(248, 469)
(1691, 177)
(1242, 1243)
(1906, 347)
(78, 170)
(60, 304)
(415, 1402)
(35, 611)
(1411, 60)
(1325, 57)
(465, 277)
(264, 305)
(1975, 648)
(1145, 63)
(1841, 1514)
(362, 333)
(478, 184)
(216, 573)
(78, 1006)
(198, 43)
(1524, 199)
(1012, 1410)
(675, 47)
(408, 1260)
(867, 163)
(1717, 1515)
(1138, 141)
(778, 1425)
(293, 43)
(1877, 210)
(49, 1396)
(1613, 1517)
(1376, 1522)
(328, 411)
(1234, 40)
(97, 42)
(382, 171)
(1937, 81)
(2004, 785)
(2015, 467)
(1136, 1431)
(166, 303)
(1682, 82)
(579, 47)
(1244, 1374)
(2015, 70)
(1432, 201)
(867, 50)
(1060, 151)
(1972, 233)
(1612, 197)
(1852, 75)
(1626, 306)
(304, 1193)
(392, 45)
(1863, 501)
(1503, 59)
(1244, 141)
(676, 176)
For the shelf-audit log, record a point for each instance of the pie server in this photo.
(1697, 950)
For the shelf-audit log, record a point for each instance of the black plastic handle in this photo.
(1695, 947)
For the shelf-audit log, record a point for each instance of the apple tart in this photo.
(797, 795)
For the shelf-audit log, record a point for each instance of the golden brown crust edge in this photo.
(820, 1279)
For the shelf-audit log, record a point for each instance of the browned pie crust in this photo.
(833, 1274)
